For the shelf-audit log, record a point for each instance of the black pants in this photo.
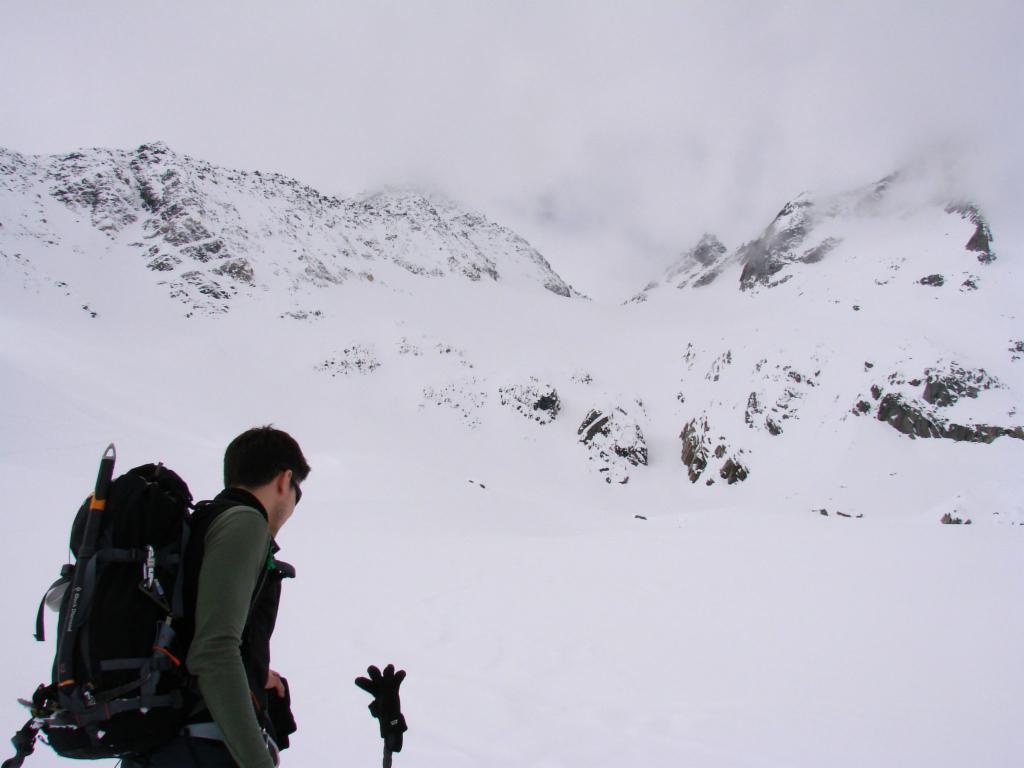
(185, 752)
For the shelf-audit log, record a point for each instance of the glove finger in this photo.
(389, 671)
(374, 673)
(399, 677)
(365, 684)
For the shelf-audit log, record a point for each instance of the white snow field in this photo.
(547, 617)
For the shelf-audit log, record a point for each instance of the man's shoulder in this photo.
(237, 517)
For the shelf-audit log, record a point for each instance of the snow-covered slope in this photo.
(209, 234)
(510, 492)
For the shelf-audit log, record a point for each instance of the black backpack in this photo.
(119, 686)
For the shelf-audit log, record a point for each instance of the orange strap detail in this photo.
(100, 504)
(66, 682)
(168, 654)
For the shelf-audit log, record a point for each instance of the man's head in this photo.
(268, 463)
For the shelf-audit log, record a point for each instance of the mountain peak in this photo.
(210, 234)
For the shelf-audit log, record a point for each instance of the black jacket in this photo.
(255, 648)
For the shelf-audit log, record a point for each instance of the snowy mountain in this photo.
(807, 230)
(704, 527)
(882, 303)
(209, 234)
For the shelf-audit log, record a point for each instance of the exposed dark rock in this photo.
(753, 408)
(706, 279)
(708, 250)
(593, 424)
(536, 401)
(206, 286)
(548, 403)
(695, 454)
(950, 519)
(733, 472)
(765, 257)
(817, 253)
(970, 284)
(945, 387)
(237, 269)
(876, 391)
(1016, 350)
(162, 262)
(697, 442)
(905, 418)
(981, 241)
(302, 314)
(868, 366)
(354, 359)
(205, 251)
(615, 441)
(913, 420)
(862, 407)
(718, 365)
(936, 281)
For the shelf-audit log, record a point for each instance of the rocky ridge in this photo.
(209, 234)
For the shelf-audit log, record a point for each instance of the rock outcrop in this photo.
(615, 442)
(534, 400)
(697, 267)
(914, 407)
(701, 447)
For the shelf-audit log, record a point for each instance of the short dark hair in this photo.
(256, 456)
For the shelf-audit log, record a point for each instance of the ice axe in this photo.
(386, 706)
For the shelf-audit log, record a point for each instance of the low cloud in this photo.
(610, 136)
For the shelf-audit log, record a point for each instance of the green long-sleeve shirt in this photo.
(235, 552)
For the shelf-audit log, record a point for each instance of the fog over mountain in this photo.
(604, 135)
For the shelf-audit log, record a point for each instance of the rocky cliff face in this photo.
(807, 231)
(697, 267)
(209, 234)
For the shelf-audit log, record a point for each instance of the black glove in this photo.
(386, 705)
(279, 712)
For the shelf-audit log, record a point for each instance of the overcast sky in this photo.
(611, 135)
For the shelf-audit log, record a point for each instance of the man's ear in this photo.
(283, 481)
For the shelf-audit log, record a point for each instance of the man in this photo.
(232, 588)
